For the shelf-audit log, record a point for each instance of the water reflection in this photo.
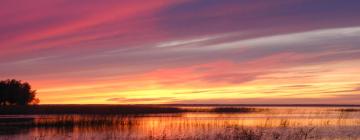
(270, 123)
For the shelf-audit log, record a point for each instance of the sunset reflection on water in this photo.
(312, 122)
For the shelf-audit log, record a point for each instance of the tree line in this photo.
(16, 92)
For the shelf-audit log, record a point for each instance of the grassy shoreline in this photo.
(85, 109)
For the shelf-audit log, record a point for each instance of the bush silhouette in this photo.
(14, 92)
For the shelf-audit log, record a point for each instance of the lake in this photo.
(261, 123)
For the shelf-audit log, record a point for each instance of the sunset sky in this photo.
(183, 51)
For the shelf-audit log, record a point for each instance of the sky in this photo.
(183, 51)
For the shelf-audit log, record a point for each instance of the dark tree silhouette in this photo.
(14, 92)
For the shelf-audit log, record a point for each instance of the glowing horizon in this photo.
(196, 52)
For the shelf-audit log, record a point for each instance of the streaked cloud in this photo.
(164, 51)
(185, 42)
(323, 36)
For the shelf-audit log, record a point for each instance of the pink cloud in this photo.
(95, 20)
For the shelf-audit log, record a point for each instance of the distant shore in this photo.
(100, 109)
(86, 109)
(260, 105)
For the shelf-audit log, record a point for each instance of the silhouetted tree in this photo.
(14, 92)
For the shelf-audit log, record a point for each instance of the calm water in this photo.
(270, 123)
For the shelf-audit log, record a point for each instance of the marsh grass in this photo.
(249, 133)
(70, 121)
